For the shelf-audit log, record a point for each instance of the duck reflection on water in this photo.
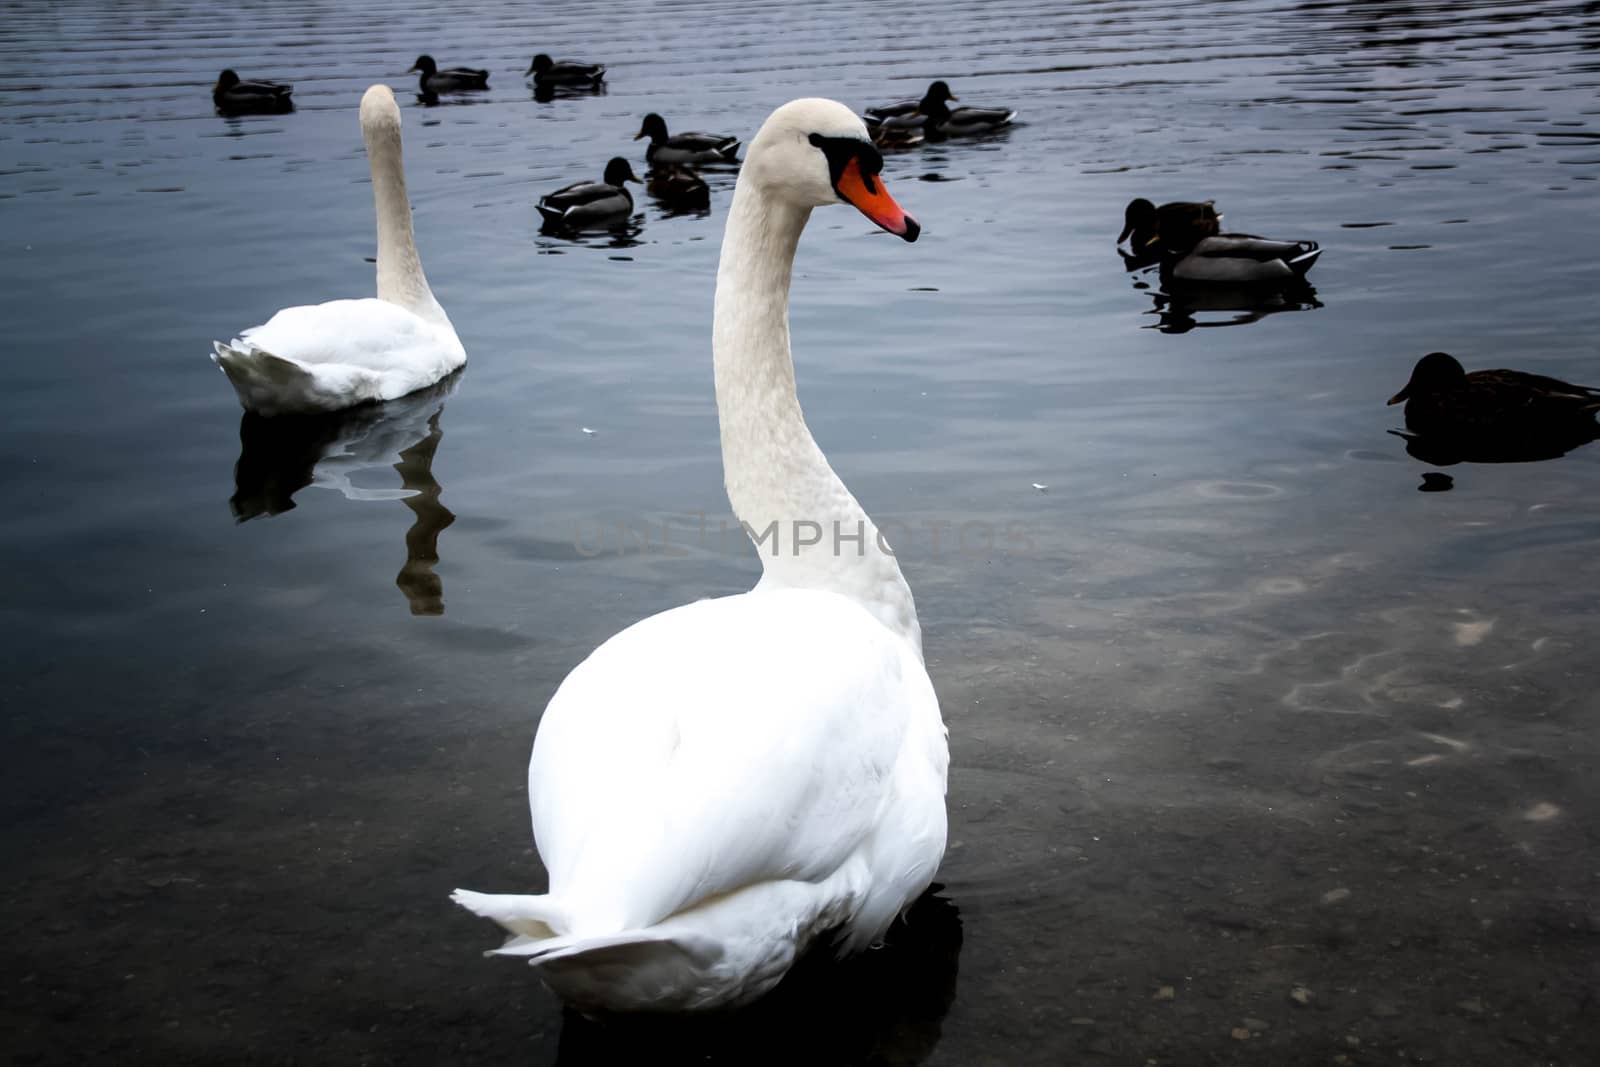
(1177, 305)
(280, 456)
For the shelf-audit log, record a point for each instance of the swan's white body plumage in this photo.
(719, 785)
(326, 357)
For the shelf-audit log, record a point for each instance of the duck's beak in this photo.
(639, 134)
(1401, 395)
(865, 192)
(952, 96)
(1127, 232)
(412, 69)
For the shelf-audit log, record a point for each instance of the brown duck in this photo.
(1506, 414)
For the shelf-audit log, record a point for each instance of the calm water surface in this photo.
(1235, 711)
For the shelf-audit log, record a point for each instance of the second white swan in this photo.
(325, 357)
(719, 786)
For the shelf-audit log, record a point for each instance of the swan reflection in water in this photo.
(280, 456)
(885, 1006)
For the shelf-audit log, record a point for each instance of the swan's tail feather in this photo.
(266, 384)
(529, 919)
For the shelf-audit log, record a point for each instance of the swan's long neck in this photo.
(778, 480)
(400, 277)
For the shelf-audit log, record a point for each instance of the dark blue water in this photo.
(1235, 711)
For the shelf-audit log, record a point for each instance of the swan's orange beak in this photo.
(865, 192)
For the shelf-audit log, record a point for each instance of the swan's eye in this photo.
(841, 151)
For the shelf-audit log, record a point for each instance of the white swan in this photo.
(323, 357)
(719, 785)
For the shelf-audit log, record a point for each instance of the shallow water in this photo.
(1234, 709)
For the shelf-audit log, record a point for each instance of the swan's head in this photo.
(378, 109)
(816, 152)
(1436, 372)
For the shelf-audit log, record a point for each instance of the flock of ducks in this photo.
(720, 786)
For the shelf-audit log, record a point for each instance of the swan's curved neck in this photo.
(808, 529)
(400, 277)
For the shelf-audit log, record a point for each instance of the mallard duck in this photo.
(233, 95)
(1177, 226)
(932, 115)
(586, 203)
(547, 71)
(432, 80)
(904, 108)
(697, 847)
(685, 147)
(678, 186)
(1444, 402)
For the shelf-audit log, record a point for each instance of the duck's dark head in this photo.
(619, 171)
(1436, 372)
(1139, 222)
(426, 65)
(225, 81)
(935, 108)
(939, 92)
(653, 127)
(541, 63)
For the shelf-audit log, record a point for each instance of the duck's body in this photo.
(720, 785)
(1499, 407)
(586, 203)
(1242, 259)
(678, 186)
(897, 136)
(326, 357)
(431, 80)
(693, 147)
(233, 95)
(933, 116)
(565, 72)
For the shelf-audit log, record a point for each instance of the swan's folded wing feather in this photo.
(718, 745)
(369, 333)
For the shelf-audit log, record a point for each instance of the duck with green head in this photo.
(431, 80)
(565, 72)
(232, 95)
(1186, 239)
(589, 203)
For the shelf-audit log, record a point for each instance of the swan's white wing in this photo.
(369, 333)
(322, 357)
(718, 745)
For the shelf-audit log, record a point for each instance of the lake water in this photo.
(1258, 753)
